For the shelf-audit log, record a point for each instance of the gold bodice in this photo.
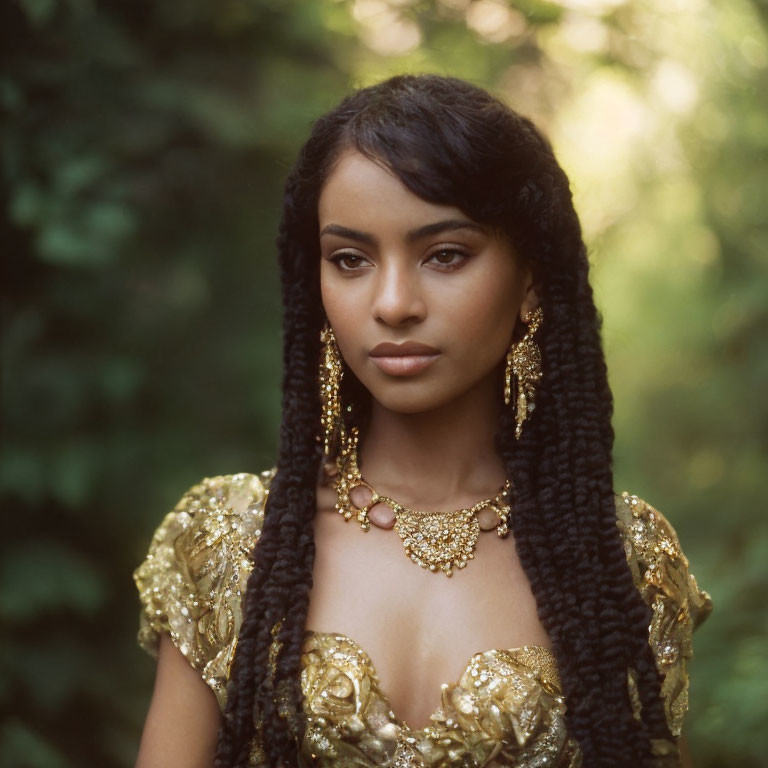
(507, 707)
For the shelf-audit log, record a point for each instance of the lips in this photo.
(404, 359)
(387, 349)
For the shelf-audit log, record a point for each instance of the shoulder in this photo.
(225, 507)
(196, 568)
(663, 577)
(656, 558)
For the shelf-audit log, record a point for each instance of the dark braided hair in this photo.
(452, 143)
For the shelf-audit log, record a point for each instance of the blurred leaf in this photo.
(39, 11)
(45, 577)
(22, 747)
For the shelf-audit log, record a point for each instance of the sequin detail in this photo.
(507, 708)
(196, 569)
(506, 704)
(661, 573)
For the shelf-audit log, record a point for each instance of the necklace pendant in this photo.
(438, 542)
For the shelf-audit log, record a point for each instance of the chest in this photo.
(419, 629)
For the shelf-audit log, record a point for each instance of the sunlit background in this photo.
(144, 148)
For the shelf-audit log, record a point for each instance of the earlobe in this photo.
(530, 302)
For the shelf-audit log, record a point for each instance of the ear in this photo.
(530, 297)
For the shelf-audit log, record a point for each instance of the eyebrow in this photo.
(410, 236)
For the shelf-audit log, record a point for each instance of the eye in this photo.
(448, 258)
(347, 262)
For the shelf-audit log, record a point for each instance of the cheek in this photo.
(335, 300)
(484, 313)
(343, 308)
(326, 286)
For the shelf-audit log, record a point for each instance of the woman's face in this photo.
(397, 269)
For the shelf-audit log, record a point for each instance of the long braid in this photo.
(572, 539)
(278, 587)
(452, 143)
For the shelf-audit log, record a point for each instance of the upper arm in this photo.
(182, 724)
(190, 585)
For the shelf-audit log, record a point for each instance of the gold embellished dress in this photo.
(506, 709)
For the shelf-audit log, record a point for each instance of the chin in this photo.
(410, 402)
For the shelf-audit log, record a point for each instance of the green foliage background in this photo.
(144, 148)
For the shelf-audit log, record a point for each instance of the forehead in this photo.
(359, 190)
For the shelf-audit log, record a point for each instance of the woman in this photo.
(433, 266)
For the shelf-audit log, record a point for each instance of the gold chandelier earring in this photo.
(330, 376)
(524, 363)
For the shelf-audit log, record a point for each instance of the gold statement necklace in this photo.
(438, 541)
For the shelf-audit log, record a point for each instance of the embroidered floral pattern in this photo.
(660, 570)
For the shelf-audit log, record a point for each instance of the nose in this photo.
(398, 298)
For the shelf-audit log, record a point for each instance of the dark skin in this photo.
(429, 445)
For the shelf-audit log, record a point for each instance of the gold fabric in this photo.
(506, 709)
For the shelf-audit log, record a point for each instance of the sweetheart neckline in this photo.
(385, 696)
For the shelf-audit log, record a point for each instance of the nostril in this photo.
(399, 310)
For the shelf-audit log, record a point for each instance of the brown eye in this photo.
(449, 257)
(346, 262)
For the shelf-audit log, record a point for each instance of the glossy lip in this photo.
(404, 365)
(404, 359)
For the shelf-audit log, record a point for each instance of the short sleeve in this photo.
(196, 569)
(662, 575)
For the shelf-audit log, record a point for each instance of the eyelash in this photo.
(337, 258)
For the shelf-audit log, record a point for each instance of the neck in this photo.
(441, 458)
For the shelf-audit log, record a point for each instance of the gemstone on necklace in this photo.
(382, 516)
(487, 519)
